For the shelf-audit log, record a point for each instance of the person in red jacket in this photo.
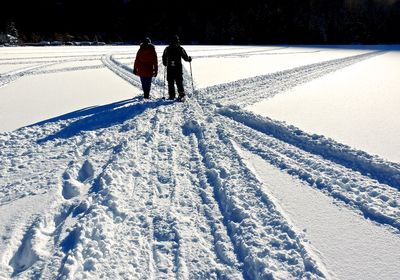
(146, 65)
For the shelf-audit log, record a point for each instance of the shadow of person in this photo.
(88, 111)
(101, 117)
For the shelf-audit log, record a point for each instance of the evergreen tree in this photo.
(12, 33)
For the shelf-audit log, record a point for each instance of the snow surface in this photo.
(358, 106)
(42, 97)
(211, 70)
(339, 234)
(96, 182)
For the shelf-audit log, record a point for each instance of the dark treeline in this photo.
(206, 21)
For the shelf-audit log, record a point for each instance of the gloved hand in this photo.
(190, 59)
(134, 71)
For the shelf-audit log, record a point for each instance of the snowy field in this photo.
(284, 163)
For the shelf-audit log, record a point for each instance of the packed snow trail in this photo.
(159, 190)
(43, 62)
(249, 91)
(95, 213)
(343, 253)
(94, 210)
(12, 76)
(373, 166)
(266, 250)
(151, 196)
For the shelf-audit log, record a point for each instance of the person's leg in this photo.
(179, 84)
(146, 85)
(171, 86)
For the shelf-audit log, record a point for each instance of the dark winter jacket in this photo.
(172, 58)
(146, 64)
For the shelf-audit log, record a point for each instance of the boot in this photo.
(181, 96)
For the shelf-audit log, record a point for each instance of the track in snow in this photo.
(158, 190)
(249, 91)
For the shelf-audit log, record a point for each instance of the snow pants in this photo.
(146, 85)
(175, 76)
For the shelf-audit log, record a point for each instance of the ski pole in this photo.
(191, 75)
(163, 92)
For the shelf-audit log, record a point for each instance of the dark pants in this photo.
(175, 76)
(146, 85)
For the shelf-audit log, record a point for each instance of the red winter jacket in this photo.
(146, 64)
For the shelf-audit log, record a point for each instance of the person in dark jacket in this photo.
(146, 65)
(172, 60)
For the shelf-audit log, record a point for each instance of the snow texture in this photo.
(128, 188)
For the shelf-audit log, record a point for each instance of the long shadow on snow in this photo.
(87, 111)
(102, 117)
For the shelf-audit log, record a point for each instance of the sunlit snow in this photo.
(266, 171)
(358, 106)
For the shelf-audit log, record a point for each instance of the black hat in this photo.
(175, 39)
(146, 40)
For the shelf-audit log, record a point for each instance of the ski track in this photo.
(157, 190)
(378, 202)
(55, 57)
(373, 166)
(40, 63)
(39, 68)
(244, 53)
(12, 76)
(249, 91)
(264, 249)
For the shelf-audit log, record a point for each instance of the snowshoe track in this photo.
(249, 91)
(170, 197)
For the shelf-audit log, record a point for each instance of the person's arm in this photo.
(136, 63)
(155, 63)
(185, 56)
(165, 57)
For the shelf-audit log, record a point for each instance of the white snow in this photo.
(5, 68)
(36, 98)
(358, 106)
(339, 234)
(210, 71)
(96, 182)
